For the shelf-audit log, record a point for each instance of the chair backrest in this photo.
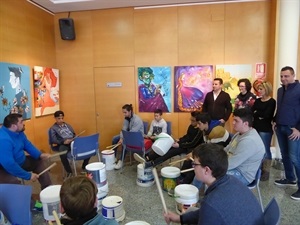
(256, 180)
(85, 147)
(15, 202)
(145, 127)
(169, 128)
(133, 140)
(272, 213)
(53, 147)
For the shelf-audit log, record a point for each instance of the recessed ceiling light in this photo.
(69, 1)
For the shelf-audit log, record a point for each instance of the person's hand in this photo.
(175, 145)
(68, 141)
(171, 217)
(34, 177)
(120, 141)
(295, 134)
(44, 156)
(222, 121)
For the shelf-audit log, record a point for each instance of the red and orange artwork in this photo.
(192, 83)
(46, 90)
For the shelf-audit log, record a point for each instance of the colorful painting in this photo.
(230, 75)
(46, 90)
(15, 90)
(192, 84)
(154, 88)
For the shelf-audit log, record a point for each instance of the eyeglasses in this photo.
(195, 164)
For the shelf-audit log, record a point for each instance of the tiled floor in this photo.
(143, 203)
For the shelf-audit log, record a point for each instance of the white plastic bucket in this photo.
(50, 200)
(96, 171)
(108, 158)
(186, 196)
(102, 193)
(137, 222)
(145, 177)
(170, 177)
(112, 208)
(162, 144)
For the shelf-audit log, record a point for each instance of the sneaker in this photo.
(119, 165)
(139, 158)
(38, 206)
(296, 195)
(285, 183)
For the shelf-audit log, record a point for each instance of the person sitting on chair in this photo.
(226, 200)
(78, 198)
(185, 145)
(62, 134)
(213, 132)
(158, 125)
(14, 163)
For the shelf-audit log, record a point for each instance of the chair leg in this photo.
(260, 200)
(123, 156)
(74, 166)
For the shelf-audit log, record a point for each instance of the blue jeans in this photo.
(267, 138)
(290, 152)
(237, 174)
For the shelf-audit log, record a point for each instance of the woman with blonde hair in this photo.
(263, 113)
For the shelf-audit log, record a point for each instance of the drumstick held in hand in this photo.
(117, 145)
(48, 168)
(187, 170)
(178, 161)
(58, 154)
(111, 146)
(56, 217)
(78, 134)
(159, 189)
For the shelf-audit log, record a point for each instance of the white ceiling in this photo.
(57, 6)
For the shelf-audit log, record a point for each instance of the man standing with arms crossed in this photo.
(287, 128)
(217, 103)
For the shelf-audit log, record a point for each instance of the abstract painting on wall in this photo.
(192, 83)
(154, 88)
(230, 75)
(46, 90)
(15, 90)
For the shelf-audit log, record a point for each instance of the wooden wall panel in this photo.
(27, 37)
(113, 37)
(75, 59)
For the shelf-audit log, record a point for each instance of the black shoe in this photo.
(285, 183)
(296, 196)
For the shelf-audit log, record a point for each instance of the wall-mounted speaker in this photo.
(67, 31)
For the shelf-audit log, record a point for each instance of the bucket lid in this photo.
(170, 172)
(137, 222)
(95, 166)
(108, 152)
(112, 201)
(50, 193)
(186, 191)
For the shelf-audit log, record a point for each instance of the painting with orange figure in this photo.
(46, 90)
(192, 83)
(230, 75)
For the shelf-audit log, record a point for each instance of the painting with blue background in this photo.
(15, 89)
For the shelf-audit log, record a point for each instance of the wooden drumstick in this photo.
(178, 161)
(57, 220)
(78, 134)
(111, 146)
(187, 170)
(58, 154)
(117, 145)
(159, 189)
(48, 168)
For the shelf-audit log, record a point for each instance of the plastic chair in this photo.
(133, 142)
(169, 128)
(15, 202)
(83, 148)
(272, 213)
(145, 127)
(255, 184)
